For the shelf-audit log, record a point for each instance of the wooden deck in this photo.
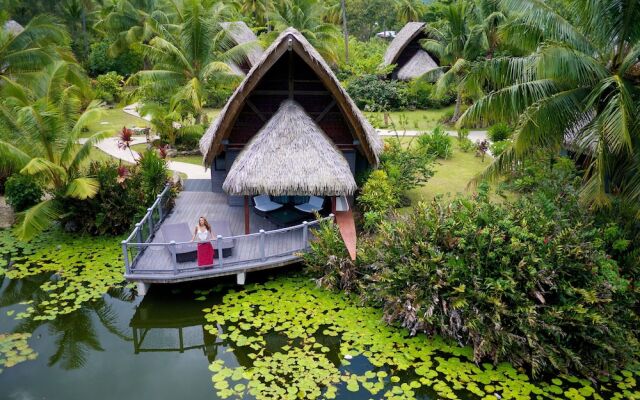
(274, 248)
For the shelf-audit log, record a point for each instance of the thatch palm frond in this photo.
(37, 219)
(82, 188)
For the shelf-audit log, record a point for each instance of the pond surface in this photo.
(279, 337)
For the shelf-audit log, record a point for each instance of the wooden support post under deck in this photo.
(333, 205)
(247, 224)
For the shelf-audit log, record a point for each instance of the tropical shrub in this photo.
(421, 95)
(465, 144)
(499, 132)
(22, 192)
(154, 173)
(528, 282)
(126, 63)
(189, 137)
(108, 87)
(438, 143)
(406, 166)
(498, 148)
(376, 199)
(373, 93)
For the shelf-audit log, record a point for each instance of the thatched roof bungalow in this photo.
(290, 129)
(411, 60)
(241, 34)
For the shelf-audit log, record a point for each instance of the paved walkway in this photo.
(474, 136)
(110, 146)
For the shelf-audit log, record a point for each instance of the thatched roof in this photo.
(418, 65)
(402, 39)
(13, 27)
(240, 33)
(421, 62)
(291, 155)
(211, 142)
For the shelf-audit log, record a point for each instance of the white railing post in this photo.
(150, 213)
(262, 249)
(160, 206)
(219, 249)
(305, 234)
(139, 234)
(174, 256)
(125, 256)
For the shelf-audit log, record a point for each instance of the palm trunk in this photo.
(345, 31)
(456, 112)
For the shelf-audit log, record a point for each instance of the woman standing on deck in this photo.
(205, 249)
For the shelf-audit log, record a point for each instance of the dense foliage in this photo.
(22, 192)
(108, 87)
(499, 132)
(370, 92)
(530, 282)
(100, 62)
(437, 143)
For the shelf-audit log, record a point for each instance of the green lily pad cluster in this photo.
(304, 342)
(14, 349)
(82, 269)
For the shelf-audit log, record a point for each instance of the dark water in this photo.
(123, 347)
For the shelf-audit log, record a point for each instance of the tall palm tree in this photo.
(40, 125)
(258, 9)
(132, 22)
(580, 85)
(308, 17)
(409, 10)
(41, 41)
(491, 19)
(186, 55)
(457, 44)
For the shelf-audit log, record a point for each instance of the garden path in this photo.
(474, 136)
(110, 146)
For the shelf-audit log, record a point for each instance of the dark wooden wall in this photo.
(308, 90)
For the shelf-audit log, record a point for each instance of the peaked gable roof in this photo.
(409, 32)
(290, 40)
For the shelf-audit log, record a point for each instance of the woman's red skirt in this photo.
(205, 254)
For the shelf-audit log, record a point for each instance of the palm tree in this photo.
(258, 9)
(491, 18)
(457, 44)
(132, 22)
(187, 55)
(409, 10)
(40, 42)
(39, 130)
(308, 17)
(580, 84)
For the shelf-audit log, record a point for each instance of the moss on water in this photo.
(304, 342)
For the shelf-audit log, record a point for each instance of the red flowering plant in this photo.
(126, 140)
(123, 174)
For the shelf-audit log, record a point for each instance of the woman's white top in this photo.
(203, 235)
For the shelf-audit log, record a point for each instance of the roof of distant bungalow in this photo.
(420, 63)
(240, 33)
(291, 39)
(290, 155)
(13, 27)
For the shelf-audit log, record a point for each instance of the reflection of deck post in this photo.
(247, 225)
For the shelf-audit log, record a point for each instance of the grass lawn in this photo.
(114, 120)
(451, 176)
(409, 120)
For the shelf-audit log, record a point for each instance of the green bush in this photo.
(406, 166)
(528, 282)
(376, 199)
(22, 192)
(125, 64)
(374, 94)
(498, 148)
(108, 87)
(189, 137)
(499, 132)
(420, 95)
(438, 143)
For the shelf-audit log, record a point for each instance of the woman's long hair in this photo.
(206, 224)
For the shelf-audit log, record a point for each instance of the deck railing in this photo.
(252, 249)
(145, 229)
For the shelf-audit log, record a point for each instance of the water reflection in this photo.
(74, 334)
